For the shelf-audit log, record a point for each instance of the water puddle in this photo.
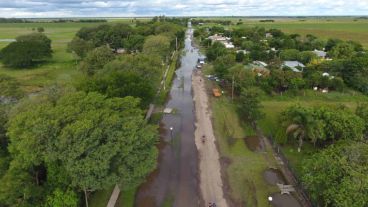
(274, 176)
(285, 200)
(253, 143)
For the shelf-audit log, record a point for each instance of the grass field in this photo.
(61, 67)
(327, 27)
(245, 167)
(272, 107)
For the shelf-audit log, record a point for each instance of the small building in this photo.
(320, 53)
(269, 35)
(229, 45)
(217, 38)
(295, 66)
(259, 70)
(260, 63)
(241, 51)
(120, 51)
(224, 40)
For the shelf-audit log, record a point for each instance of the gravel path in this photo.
(209, 164)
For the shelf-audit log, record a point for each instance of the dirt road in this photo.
(211, 185)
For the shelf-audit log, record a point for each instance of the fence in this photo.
(306, 199)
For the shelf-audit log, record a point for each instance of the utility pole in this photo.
(232, 89)
(176, 43)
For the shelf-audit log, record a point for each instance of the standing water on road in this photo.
(175, 181)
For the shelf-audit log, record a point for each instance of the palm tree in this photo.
(301, 124)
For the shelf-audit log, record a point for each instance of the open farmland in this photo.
(347, 28)
(61, 67)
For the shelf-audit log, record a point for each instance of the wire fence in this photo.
(290, 170)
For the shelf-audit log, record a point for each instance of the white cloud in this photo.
(60, 8)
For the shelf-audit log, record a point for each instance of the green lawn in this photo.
(272, 107)
(245, 169)
(101, 198)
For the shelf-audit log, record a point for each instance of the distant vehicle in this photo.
(201, 60)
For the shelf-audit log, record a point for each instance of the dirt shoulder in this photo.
(211, 185)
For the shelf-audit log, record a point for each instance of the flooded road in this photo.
(175, 181)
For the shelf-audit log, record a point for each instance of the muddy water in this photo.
(253, 143)
(274, 176)
(175, 181)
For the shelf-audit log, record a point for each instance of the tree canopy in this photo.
(26, 51)
(94, 140)
(337, 176)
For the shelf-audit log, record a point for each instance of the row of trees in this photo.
(70, 141)
(125, 36)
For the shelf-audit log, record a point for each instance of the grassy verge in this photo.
(245, 168)
(100, 198)
(272, 107)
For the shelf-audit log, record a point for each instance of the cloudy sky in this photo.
(123, 8)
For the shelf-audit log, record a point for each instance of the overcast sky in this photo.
(123, 8)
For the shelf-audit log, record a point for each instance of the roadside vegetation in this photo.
(307, 93)
(70, 143)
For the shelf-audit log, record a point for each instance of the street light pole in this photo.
(270, 200)
(171, 132)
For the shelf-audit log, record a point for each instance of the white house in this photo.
(223, 40)
(260, 63)
(320, 53)
(295, 66)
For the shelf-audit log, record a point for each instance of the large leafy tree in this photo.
(26, 51)
(301, 124)
(337, 176)
(216, 50)
(321, 124)
(80, 46)
(362, 112)
(96, 60)
(249, 104)
(157, 45)
(97, 141)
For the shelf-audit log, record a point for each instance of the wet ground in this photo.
(285, 200)
(274, 176)
(253, 143)
(175, 181)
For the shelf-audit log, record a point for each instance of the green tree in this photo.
(301, 124)
(337, 176)
(60, 198)
(216, 50)
(249, 105)
(223, 63)
(306, 57)
(80, 47)
(40, 29)
(289, 54)
(362, 112)
(157, 45)
(26, 51)
(96, 60)
(342, 51)
(134, 43)
(99, 141)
